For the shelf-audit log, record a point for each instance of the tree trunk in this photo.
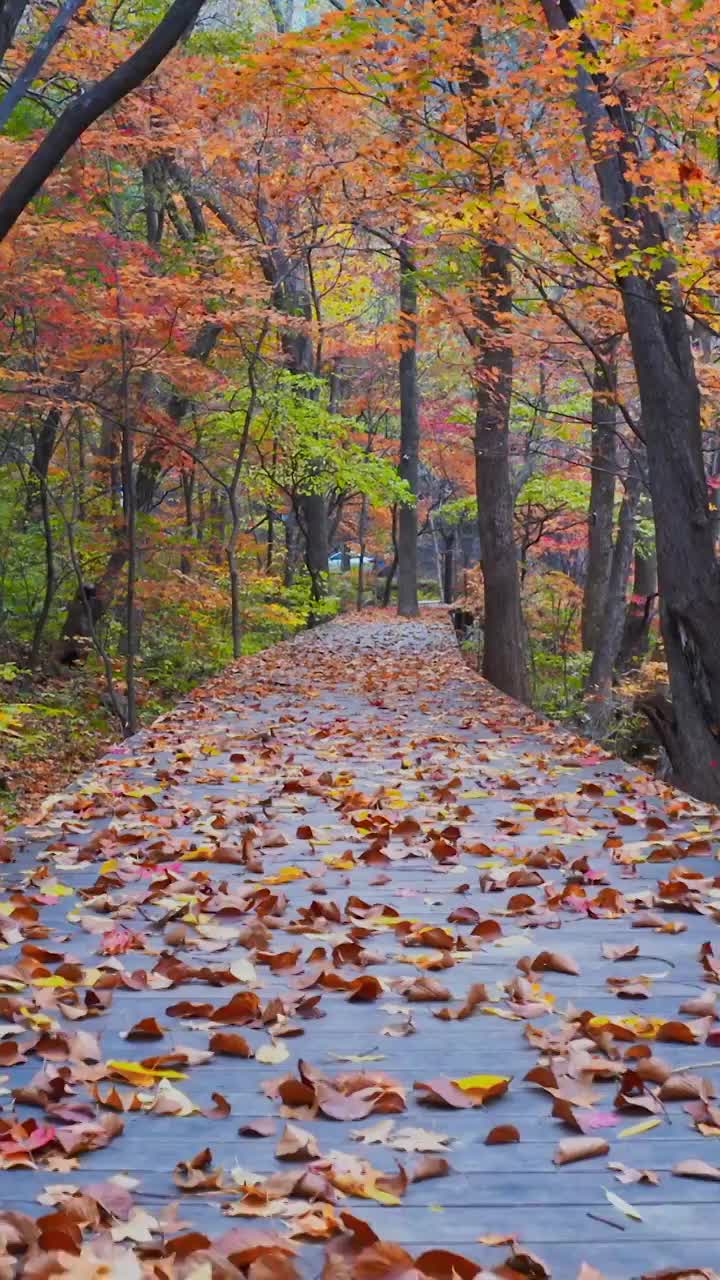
(387, 589)
(688, 575)
(601, 511)
(43, 449)
(38, 58)
(50, 573)
(188, 487)
(131, 551)
(504, 659)
(407, 523)
(11, 11)
(235, 600)
(312, 513)
(362, 534)
(642, 607)
(291, 295)
(448, 559)
(598, 691)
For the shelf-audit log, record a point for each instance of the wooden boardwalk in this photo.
(293, 856)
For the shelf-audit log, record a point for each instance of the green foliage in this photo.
(558, 682)
(458, 512)
(319, 451)
(556, 489)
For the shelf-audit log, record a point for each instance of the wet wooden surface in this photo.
(389, 714)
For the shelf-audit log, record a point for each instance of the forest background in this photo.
(306, 307)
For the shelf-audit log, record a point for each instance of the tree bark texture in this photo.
(601, 510)
(688, 574)
(407, 523)
(610, 630)
(504, 659)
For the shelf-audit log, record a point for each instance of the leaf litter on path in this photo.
(342, 822)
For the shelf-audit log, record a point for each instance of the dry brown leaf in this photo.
(585, 1148)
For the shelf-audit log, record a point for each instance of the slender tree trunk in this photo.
(50, 575)
(38, 58)
(601, 511)
(387, 589)
(407, 523)
(235, 586)
(188, 488)
(362, 532)
(688, 573)
(598, 691)
(448, 557)
(504, 658)
(130, 531)
(642, 607)
(43, 449)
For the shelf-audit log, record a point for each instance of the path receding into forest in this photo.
(339, 969)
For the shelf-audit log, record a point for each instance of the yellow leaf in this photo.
(501, 1013)
(112, 864)
(159, 1073)
(481, 1082)
(203, 853)
(37, 1019)
(58, 891)
(643, 1127)
(284, 876)
(54, 981)
(374, 1193)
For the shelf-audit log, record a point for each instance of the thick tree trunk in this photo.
(688, 578)
(598, 691)
(11, 11)
(504, 659)
(407, 524)
(290, 294)
(688, 574)
(312, 518)
(601, 511)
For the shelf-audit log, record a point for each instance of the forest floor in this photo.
(349, 949)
